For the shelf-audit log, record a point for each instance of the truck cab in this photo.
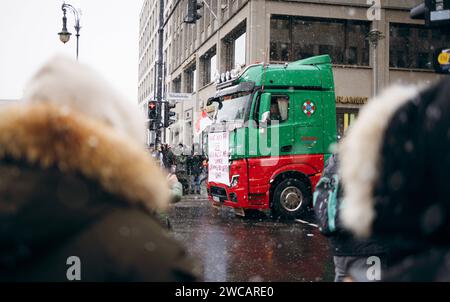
(276, 123)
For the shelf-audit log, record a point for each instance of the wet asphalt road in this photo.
(232, 248)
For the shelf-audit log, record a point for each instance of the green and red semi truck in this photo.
(279, 122)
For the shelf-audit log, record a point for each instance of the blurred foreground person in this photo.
(78, 191)
(349, 254)
(395, 166)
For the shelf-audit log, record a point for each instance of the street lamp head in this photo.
(374, 36)
(64, 35)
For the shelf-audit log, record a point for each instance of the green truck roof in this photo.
(310, 73)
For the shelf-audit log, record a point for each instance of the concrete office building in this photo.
(249, 31)
(148, 50)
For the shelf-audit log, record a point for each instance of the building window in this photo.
(352, 55)
(191, 79)
(213, 66)
(176, 85)
(280, 38)
(234, 45)
(209, 68)
(413, 46)
(295, 38)
(194, 80)
(239, 50)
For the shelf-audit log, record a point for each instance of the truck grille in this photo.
(219, 192)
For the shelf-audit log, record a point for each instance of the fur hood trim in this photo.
(360, 157)
(49, 135)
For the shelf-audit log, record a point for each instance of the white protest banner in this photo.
(218, 153)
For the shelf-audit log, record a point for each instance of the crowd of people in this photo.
(186, 168)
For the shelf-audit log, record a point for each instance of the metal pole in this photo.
(160, 71)
(375, 70)
(374, 37)
(78, 38)
(77, 28)
(164, 93)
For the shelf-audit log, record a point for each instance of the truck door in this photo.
(308, 126)
(276, 130)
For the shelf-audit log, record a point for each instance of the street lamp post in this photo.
(64, 35)
(159, 64)
(374, 37)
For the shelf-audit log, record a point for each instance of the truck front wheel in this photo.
(290, 199)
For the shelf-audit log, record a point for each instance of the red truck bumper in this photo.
(237, 194)
(221, 195)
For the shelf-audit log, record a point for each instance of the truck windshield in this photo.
(234, 108)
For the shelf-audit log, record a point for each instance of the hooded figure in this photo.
(349, 254)
(395, 166)
(78, 191)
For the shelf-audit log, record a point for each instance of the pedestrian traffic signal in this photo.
(152, 110)
(168, 113)
(193, 11)
(434, 12)
(152, 115)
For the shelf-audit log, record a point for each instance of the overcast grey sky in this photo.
(108, 42)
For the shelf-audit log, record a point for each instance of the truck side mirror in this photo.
(264, 109)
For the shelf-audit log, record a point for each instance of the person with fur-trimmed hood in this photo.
(349, 254)
(395, 164)
(78, 191)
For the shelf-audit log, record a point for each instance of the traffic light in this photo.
(434, 12)
(168, 113)
(152, 114)
(193, 11)
(152, 110)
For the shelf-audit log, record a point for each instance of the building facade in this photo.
(148, 50)
(242, 32)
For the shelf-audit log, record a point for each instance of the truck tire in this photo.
(291, 198)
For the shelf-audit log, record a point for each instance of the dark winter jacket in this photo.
(168, 158)
(195, 164)
(342, 241)
(395, 169)
(71, 186)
